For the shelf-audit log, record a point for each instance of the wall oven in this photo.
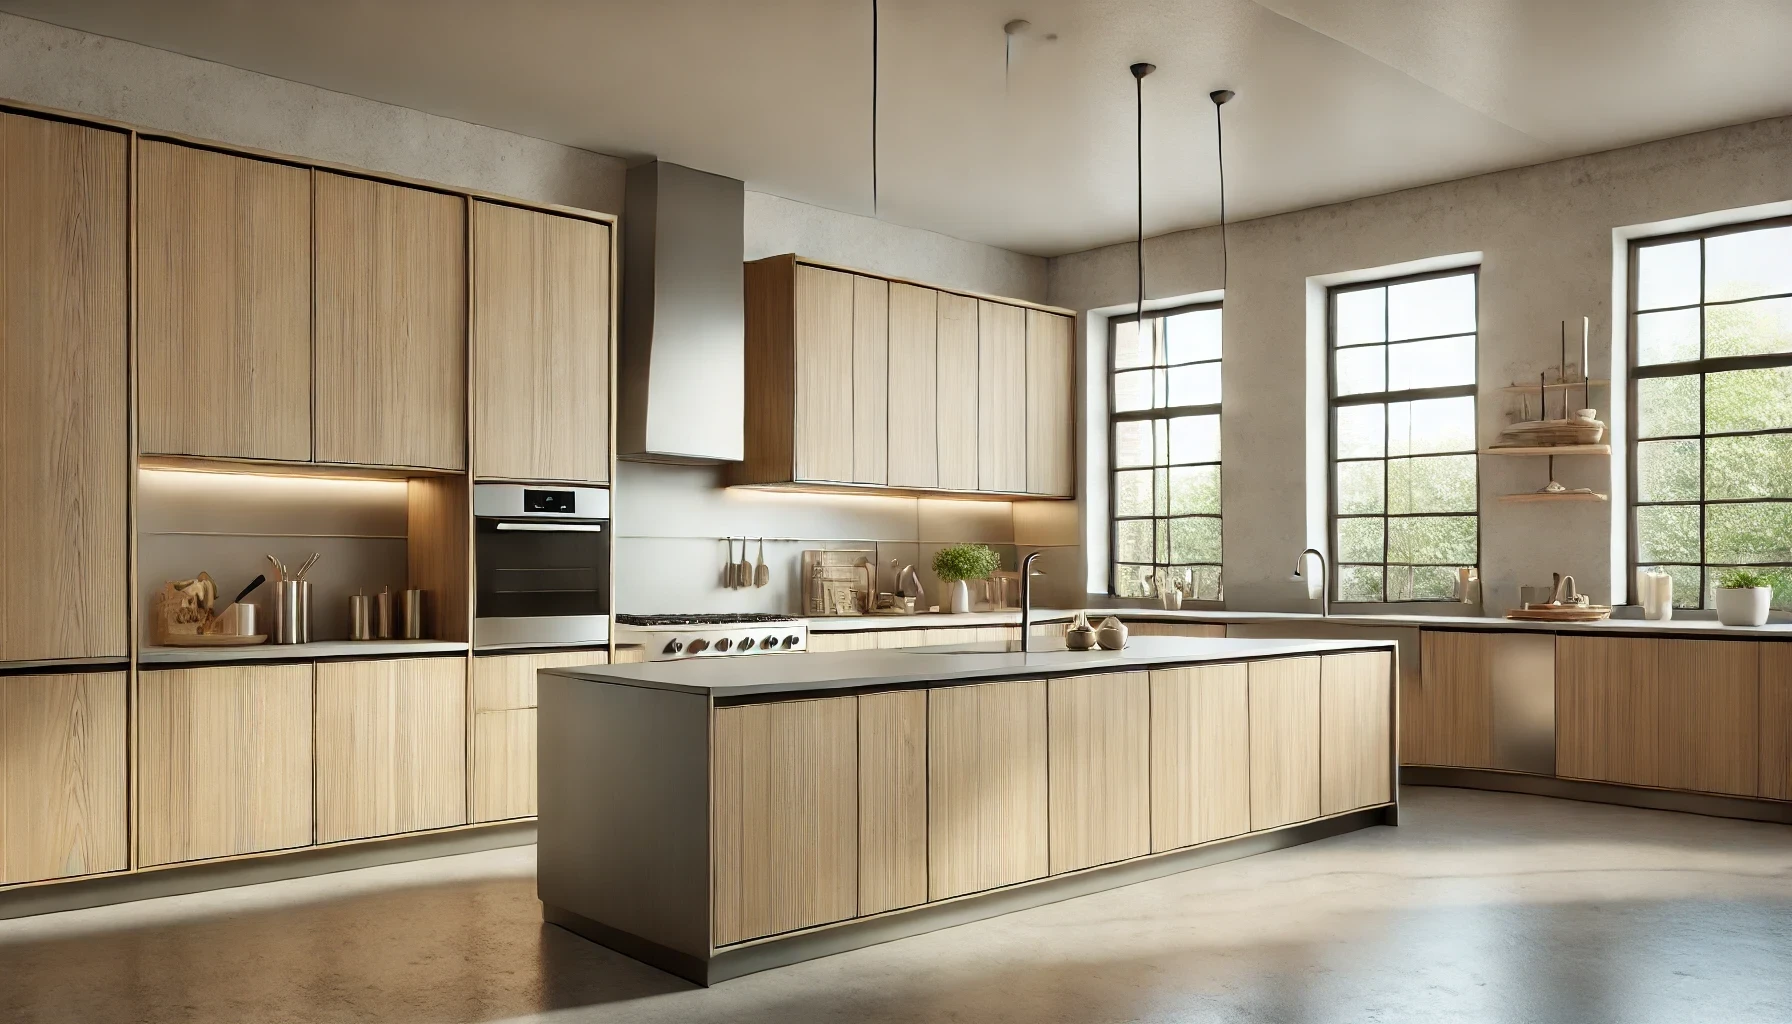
(541, 565)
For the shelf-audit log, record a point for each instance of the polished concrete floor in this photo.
(1480, 907)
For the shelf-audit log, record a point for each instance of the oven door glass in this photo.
(529, 568)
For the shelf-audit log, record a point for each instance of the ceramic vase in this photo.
(961, 597)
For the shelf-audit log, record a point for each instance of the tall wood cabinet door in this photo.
(391, 746)
(1051, 405)
(223, 761)
(1776, 721)
(224, 304)
(956, 367)
(64, 442)
(62, 776)
(823, 441)
(1284, 741)
(986, 785)
(870, 380)
(786, 816)
(1355, 728)
(1100, 769)
(1001, 397)
(914, 385)
(504, 764)
(892, 800)
(391, 345)
(1200, 755)
(541, 346)
(1448, 719)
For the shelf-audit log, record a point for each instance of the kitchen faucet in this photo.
(1026, 602)
(1325, 592)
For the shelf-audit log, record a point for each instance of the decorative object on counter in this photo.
(1112, 634)
(1743, 596)
(909, 592)
(1468, 585)
(1079, 635)
(1565, 604)
(838, 581)
(382, 614)
(360, 617)
(958, 563)
(1172, 591)
(1655, 593)
(410, 612)
(184, 616)
(292, 602)
(762, 573)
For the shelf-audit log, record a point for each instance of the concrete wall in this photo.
(1546, 236)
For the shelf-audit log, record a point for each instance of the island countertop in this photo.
(935, 666)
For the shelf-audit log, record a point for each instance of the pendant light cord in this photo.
(1219, 98)
(874, 108)
(1138, 84)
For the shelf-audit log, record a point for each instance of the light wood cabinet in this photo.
(786, 816)
(1448, 719)
(1200, 755)
(64, 438)
(986, 815)
(541, 346)
(1194, 629)
(1355, 767)
(506, 682)
(870, 380)
(1100, 769)
(914, 458)
(391, 308)
(503, 764)
(391, 746)
(62, 775)
(824, 375)
(1776, 721)
(223, 761)
(1284, 741)
(892, 800)
(1001, 397)
(824, 643)
(1051, 404)
(224, 304)
(956, 392)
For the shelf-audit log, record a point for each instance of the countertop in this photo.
(851, 670)
(298, 652)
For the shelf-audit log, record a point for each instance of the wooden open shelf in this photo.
(1519, 389)
(1552, 449)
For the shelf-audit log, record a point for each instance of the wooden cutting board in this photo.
(1565, 613)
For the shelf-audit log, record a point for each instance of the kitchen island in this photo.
(722, 816)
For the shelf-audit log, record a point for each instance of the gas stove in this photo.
(681, 637)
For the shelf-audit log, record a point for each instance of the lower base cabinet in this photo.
(986, 815)
(1355, 756)
(391, 747)
(1099, 775)
(1284, 742)
(892, 800)
(1776, 721)
(1200, 755)
(503, 764)
(62, 776)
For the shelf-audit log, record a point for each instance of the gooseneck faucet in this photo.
(1026, 602)
(1325, 589)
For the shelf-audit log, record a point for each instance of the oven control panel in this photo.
(682, 645)
(555, 502)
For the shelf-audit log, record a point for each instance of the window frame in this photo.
(1333, 401)
(1702, 367)
(1168, 412)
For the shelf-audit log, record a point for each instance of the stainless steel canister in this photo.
(292, 612)
(360, 617)
(382, 615)
(411, 606)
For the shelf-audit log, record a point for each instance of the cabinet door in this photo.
(62, 776)
(870, 380)
(1776, 721)
(223, 761)
(786, 816)
(224, 304)
(1448, 720)
(824, 379)
(1200, 755)
(1100, 769)
(1051, 405)
(892, 800)
(391, 746)
(986, 785)
(503, 764)
(506, 682)
(1355, 727)
(823, 643)
(1284, 741)
(955, 363)
(64, 442)
(541, 346)
(914, 385)
(391, 305)
(1194, 629)
(1001, 397)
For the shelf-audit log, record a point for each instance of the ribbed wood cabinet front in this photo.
(391, 746)
(1200, 754)
(1284, 742)
(1100, 769)
(1355, 731)
(987, 782)
(62, 776)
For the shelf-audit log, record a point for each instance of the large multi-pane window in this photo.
(1711, 386)
(1165, 437)
(1404, 487)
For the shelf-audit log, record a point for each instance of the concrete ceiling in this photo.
(1336, 98)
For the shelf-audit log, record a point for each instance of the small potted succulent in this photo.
(960, 562)
(1742, 597)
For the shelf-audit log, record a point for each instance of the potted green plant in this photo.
(1742, 597)
(960, 562)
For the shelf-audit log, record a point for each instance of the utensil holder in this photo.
(411, 611)
(360, 617)
(292, 612)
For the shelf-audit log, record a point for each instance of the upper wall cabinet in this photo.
(224, 304)
(856, 380)
(541, 346)
(391, 354)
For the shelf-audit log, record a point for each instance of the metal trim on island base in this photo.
(839, 937)
(1714, 805)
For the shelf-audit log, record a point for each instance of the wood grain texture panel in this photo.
(62, 776)
(1448, 718)
(1200, 755)
(506, 682)
(892, 800)
(1051, 404)
(223, 760)
(914, 458)
(1776, 721)
(391, 310)
(786, 816)
(1099, 730)
(1001, 397)
(1355, 728)
(391, 746)
(870, 380)
(1194, 629)
(504, 764)
(224, 304)
(438, 554)
(1284, 741)
(64, 436)
(956, 391)
(822, 643)
(824, 375)
(541, 346)
(770, 414)
(987, 781)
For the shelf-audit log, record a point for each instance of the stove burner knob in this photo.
(699, 646)
(746, 643)
(770, 643)
(792, 640)
(724, 645)
(675, 647)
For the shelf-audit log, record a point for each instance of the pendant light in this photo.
(873, 108)
(1139, 71)
(1219, 98)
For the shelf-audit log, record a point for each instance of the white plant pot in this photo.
(961, 597)
(1746, 606)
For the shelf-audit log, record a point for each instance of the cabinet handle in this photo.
(553, 527)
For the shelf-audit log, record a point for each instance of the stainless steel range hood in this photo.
(683, 345)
